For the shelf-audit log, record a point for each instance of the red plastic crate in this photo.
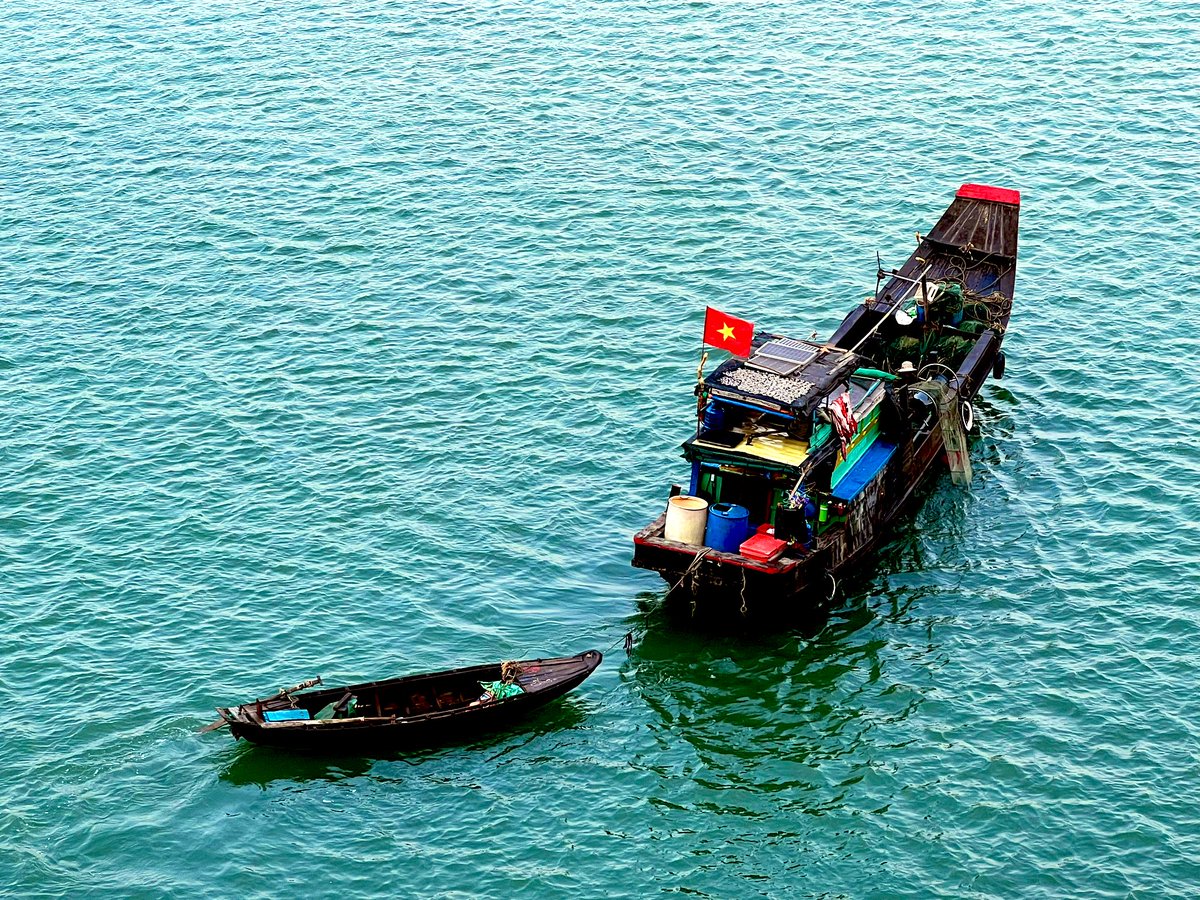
(763, 547)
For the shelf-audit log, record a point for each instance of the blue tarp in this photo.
(867, 467)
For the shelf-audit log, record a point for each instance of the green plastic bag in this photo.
(500, 690)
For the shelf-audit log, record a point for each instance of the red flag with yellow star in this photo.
(727, 332)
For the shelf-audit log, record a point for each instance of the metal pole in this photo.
(895, 306)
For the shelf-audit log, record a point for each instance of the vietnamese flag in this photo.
(727, 332)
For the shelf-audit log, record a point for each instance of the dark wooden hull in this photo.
(543, 680)
(706, 583)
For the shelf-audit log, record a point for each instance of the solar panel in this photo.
(786, 348)
(782, 357)
(781, 367)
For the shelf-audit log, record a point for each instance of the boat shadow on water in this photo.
(260, 766)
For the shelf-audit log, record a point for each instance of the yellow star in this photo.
(726, 331)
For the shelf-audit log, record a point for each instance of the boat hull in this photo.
(975, 242)
(547, 680)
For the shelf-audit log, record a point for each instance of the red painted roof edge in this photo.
(984, 192)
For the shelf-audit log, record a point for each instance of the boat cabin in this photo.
(767, 438)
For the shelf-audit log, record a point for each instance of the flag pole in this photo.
(700, 391)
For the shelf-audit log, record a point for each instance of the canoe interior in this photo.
(407, 697)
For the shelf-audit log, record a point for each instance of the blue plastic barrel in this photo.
(713, 418)
(728, 526)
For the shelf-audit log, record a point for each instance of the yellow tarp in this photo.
(776, 448)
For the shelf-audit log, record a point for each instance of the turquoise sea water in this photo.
(357, 338)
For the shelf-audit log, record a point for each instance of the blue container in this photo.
(713, 418)
(286, 715)
(728, 526)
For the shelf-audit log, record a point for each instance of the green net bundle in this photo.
(953, 348)
(903, 348)
(947, 303)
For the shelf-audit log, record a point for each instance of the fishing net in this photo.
(953, 349)
(947, 302)
(903, 348)
(954, 437)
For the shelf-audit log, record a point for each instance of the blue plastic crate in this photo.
(286, 715)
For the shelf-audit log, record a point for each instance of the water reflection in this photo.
(260, 766)
(763, 723)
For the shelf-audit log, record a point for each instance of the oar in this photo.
(283, 692)
(212, 726)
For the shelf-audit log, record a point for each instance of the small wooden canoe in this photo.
(418, 710)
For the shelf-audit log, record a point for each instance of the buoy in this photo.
(998, 366)
(967, 414)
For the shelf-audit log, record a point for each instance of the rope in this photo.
(996, 305)
(691, 566)
(628, 638)
(689, 571)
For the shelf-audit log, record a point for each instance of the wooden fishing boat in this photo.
(418, 710)
(806, 451)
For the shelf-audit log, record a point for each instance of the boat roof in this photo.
(783, 374)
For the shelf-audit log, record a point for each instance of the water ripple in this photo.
(351, 338)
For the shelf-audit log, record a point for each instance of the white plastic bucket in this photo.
(686, 519)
